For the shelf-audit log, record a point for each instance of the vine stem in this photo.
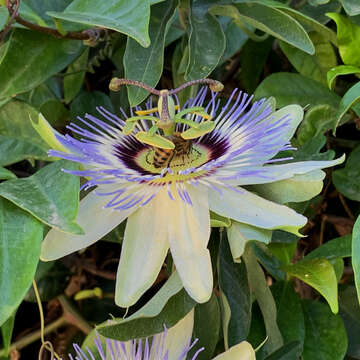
(36, 335)
(13, 7)
(42, 320)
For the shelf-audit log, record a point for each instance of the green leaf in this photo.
(268, 260)
(257, 283)
(290, 351)
(146, 64)
(20, 241)
(45, 56)
(36, 11)
(346, 180)
(217, 220)
(6, 174)
(206, 42)
(51, 195)
(252, 60)
(311, 150)
(29, 14)
(18, 139)
(348, 35)
(276, 23)
(74, 77)
(290, 88)
(290, 317)
(320, 274)
(4, 15)
(86, 103)
(235, 296)
(325, 333)
(339, 247)
(350, 313)
(6, 332)
(130, 18)
(356, 255)
(332, 74)
(352, 7)
(235, 40)
(206, 328)
(350, 98)
(312, 66)
(55, 112)
(283, 251)
(318, 119)
(178, 67)
(167, 307)
(309, 21)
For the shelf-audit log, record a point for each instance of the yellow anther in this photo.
(146, 112)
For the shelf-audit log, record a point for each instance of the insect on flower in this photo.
(171, 143)
(177, 162)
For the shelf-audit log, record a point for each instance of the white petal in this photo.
(189, 232)
(95, 221)
(296, 189)
(242, 351)
(243, 206)
(144, 250)
(281, 126)
(239, 234)
(296, 114)
(271, 173)
(178, 336)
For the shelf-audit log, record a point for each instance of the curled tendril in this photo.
(47, 346)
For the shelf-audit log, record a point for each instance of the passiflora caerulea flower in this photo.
(168, 207)
(172, 344)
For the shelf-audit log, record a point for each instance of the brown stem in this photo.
(76, 35)
(12, 13)
(36, 335)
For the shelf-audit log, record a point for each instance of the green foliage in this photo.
(112, 14)
(348, 39)
(167, 307)
(325, 333)
(50, 195)
(346, 179)
(293, 52)
(320, 274)
(146, 64)
(46, 56)
(20, 240)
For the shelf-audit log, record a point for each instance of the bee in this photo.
(163, 157)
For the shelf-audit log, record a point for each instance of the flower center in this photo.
(156, 160)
